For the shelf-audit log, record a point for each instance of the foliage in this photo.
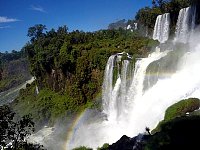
(146, 17)
(46, 106)
(104, 147)
(13, 131)
(13, 69)
(13, 55)
(82, 148)
(164, 5)
(179, 109)
(14, 73)
(69, 68)
(177, 133)
(36, 31)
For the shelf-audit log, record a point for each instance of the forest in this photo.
(68, 66)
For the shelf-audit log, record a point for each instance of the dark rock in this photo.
(127, 143)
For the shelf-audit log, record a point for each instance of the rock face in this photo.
(56, 80)
(14, 73)
(178, 133)
(127, 143)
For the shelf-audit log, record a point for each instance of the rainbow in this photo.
(80, 117)
(159, 75)
(75, 123)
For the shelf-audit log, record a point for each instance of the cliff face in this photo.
(56, 80)
(14, 73)
(1, 74)
(198, 11)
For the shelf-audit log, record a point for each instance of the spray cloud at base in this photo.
(136, 95)
(128, 113)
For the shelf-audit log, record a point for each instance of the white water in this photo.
(9, 95)
(37, 90)
(123, 105)
(136, 89)
(41, 136)
(161, 29)
(125, 76)
(108, 85)
(127, 108)
(114, 94)
(146, 108)
(185, 24)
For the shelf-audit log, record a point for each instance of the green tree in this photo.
(36, 31)
(147, 16)
(62, 30)
(13, 131)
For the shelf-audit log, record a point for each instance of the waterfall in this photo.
(131, 108)
(36, 90)
(136, 89)
(117, 99)
(108, 85)
(128, 107)
(185, 24)
(114, 93)
(161, 29)
(124, 86)
(122, 92)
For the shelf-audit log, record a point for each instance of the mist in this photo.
(152, 89)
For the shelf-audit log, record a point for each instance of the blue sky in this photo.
(16, 16)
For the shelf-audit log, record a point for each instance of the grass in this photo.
(179, 109)
(82, 148)
(48, 106)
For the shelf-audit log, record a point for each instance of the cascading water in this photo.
(161, 29)
(36, 90)
(185, 24)
(136, 89)
(144, 108)
(126, 77)
(125, 93)
(129, 107)
(114, 97)
(108, 85)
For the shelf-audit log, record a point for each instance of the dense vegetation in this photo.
(14, 69)
(146, 17)
(14, 131)
(14, 55)
(69, 67)
(178, 133)
(179, 109)
(178, 128)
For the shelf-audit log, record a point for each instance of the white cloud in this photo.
(4, 27)
(6, 19)
(38, 8)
